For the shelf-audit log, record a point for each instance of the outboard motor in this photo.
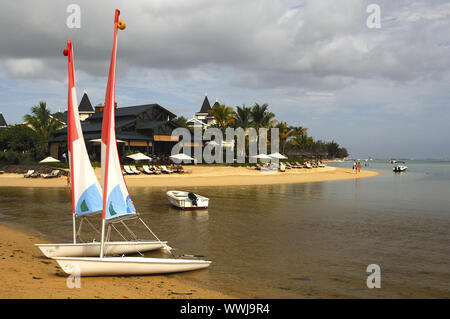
(193, 198)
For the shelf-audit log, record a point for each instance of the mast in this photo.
(116, 200)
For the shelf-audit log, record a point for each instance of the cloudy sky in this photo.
(381, 92)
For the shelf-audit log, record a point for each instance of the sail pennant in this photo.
(116, 198)
(86, 191)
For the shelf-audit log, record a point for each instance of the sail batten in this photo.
(86, 191)
(116, 198)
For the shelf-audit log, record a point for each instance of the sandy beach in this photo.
(205, 176)
(26, 273)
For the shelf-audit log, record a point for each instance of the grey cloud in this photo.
(315, 44)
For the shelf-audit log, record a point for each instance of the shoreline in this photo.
(27, 274)
(206, 176)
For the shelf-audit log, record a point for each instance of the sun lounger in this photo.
(147, 170)
(135, 170)
(35, 175)
(299, 165)
(308, 165)
(282, 167)
(155, 169)
(54, 173)
(29, 173)
(165, 170)
(128, 170)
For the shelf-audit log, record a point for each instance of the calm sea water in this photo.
(291, 241)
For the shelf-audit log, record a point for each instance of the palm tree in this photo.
(43, 122)
(243, 117)
(224, 116)
(284, 132)
(261, 117)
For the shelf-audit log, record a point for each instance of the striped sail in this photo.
(86, 191)
(116, 199)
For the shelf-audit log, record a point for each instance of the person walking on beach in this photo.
(358, 167)
(354, 166)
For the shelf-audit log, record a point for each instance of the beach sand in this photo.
(26, 273)
(201, 175)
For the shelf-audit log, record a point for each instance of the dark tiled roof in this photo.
(205, 106)
(131, 111)
(216, 104)
(85, 104)
(2, 120)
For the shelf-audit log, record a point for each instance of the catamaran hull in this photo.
(122, 266)
(93, 249)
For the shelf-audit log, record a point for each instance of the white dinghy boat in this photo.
(187, 200)
(117, 204)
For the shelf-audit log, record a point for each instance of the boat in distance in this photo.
(93, 248)
(187, 200)
(123, 266)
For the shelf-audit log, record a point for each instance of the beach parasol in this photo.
(181, 157)
(49, 159)
(262, 156)
(139, 157)
(277, 155)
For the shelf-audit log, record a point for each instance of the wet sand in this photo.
(26, 273)
(205, 176)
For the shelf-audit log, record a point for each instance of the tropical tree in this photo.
(20, 142)
(243, 117)
(261, 117)
(224, 116)
(284, 132)
(43, 122)
(180, 120)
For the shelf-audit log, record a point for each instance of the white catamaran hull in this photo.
(111, 266)
(93, 248)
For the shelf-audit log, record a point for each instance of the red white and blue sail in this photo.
(116, 199)
(86, 190)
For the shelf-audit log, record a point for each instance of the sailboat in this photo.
(117, 204)
(86, 190)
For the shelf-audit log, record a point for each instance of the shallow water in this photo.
(291, 241)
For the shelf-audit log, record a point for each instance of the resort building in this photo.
(145, 128)
(3, 124)
(203, 118)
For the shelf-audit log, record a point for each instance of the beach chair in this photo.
(299, 165)
(135, 170)
(54, 173)
(123, 172)
(147, 170)
(165, 170)
(35, 175)
(282, 167)
(29, 173)
(308, 165)
(154, 169)
(128, 170)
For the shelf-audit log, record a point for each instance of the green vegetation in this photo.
(293, 140)
(27, 143)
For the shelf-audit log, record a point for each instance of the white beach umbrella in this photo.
(49, 159)
(98, 140)
(181, 157)
(139, 157)
(277, 155)
(262, 156)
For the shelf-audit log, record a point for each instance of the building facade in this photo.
(145, 128)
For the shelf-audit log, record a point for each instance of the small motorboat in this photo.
(399, 167)
(187, 200)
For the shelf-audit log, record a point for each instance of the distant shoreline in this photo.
(206, 176)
